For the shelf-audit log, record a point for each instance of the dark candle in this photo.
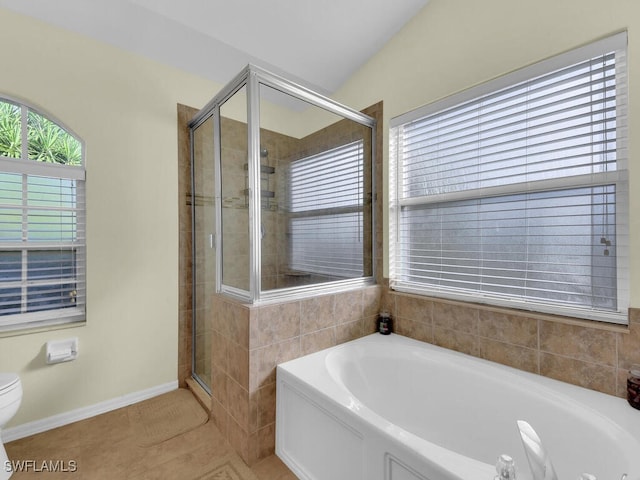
(633, 387)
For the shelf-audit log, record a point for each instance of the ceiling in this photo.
(319, 43)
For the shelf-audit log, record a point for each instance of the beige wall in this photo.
(452, 45)
(124, 107)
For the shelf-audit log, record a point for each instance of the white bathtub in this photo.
(392, 408)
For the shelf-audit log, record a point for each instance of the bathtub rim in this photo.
(323, 383)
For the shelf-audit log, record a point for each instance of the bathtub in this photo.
(392, 408)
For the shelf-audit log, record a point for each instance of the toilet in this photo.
(10, 398)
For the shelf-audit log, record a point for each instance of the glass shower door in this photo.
(204, 243)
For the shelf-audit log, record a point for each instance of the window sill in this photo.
(18, 330)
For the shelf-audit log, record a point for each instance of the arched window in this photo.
(42, 220)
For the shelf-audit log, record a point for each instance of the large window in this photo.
(42, 241)
(515, 192)
(325, 205)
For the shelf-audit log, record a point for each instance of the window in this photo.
(325, 205)
(514, 193)
(42, 241)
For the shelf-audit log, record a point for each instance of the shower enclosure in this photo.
(282, 206)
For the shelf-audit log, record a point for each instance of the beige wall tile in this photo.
(602, 347)
(369, 325)
(219, 386)
(348, 331)
(621, 382)
(512, 355)
(513, 329)
(238, 404)
(414, 308)
(629, 346)
(219, 416)
(239, 325)
(238, 369)
(416, 330)
(254, 367)
(317, 313)
(217, 305)
(239, 439)
(254, 410)
(348, 306)
(253, 449)
(587, 344)
(225, 319)
(456, 340)
(278, 322)
(316, 341)
(590, 375)
(270, 356)
(219, 347)
(266, 405)
(254, 328)
(266, 440)
(387, 299)
(457, 317)
(371, 301)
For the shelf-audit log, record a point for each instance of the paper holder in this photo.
(62, 350)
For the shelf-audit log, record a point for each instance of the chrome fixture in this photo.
(506, 468)
(539, 460)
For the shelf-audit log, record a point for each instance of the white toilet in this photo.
(10, 398)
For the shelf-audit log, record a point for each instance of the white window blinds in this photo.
(515, 193)
(42, 232)
(325, 205)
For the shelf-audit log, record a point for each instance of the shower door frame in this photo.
(252, 77)
(214, 243)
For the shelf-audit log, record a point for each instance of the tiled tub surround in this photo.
(249, 341)
(585, 353)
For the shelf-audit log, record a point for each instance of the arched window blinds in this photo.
(42, 220)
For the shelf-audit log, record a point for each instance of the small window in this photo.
(325, 205)
(42, 218)
(514, 193)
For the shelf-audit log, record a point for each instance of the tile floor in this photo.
(105, 447)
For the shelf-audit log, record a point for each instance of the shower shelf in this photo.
(263, 193)
(263, 169)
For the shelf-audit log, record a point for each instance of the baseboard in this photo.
(39, 426)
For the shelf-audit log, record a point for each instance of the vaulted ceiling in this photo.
(319, 43)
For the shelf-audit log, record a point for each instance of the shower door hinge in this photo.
(212, 240)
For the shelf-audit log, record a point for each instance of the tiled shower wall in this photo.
(185, 245)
